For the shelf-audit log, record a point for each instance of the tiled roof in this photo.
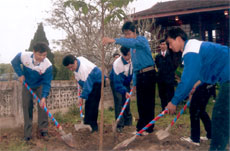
(181, 5)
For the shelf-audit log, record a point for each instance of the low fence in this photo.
(63, 94)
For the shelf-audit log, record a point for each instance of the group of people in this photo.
(203, 61)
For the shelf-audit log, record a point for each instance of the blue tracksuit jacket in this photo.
(140, 52)
(122, 74)
(204, 61)
(87, 74)
(35, 75)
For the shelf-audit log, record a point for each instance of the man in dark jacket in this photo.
(166, 75)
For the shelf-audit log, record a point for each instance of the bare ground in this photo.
(11, 139)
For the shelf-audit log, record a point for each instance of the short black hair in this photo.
(116, 54)
(176, 32)
(162, 40)
(124, 50)
(69, 59)
(129, 26)
(41, 47)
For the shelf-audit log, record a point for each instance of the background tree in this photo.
(40, 36)
(92, 19)
(5, 68)
(149, 29)
(62, 72)
(81, 23)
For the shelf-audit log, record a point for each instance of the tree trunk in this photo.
(102, 82)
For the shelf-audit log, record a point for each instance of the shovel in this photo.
(129, 140)
(67, 138)
(122, 111)
(81, 125)
(162, 134)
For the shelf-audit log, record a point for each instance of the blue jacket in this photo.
(35, 75)
(87, 74)
(122, 75)
(140, 53)
(204, 61)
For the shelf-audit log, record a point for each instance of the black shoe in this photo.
(128, 124)
(94, 129)
(27, 139)
(45, 136)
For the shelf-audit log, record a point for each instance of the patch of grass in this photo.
(15, 146)
(72, 116)
(109, 116)
(74, 110)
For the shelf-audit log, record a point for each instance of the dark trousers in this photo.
(166, 92)
(28, 112)
(91, 106)
(119, 101)
(220, 119)
(197, 111)
(145, 89)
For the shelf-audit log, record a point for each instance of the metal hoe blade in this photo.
(82, 126)
(67, 138)
(125, 142)
(162, 134)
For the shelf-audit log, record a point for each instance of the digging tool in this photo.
(81, 125)
(122, 111)
(67, 138)
(129, 140)
(162, 134)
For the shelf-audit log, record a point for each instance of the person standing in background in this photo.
(165, 74)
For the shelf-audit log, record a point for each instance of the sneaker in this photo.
(135, 132)
(188, 139)
(203, 138)
(144, 133)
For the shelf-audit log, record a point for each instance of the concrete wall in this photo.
(63, 94)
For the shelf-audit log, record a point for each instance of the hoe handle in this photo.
(46, 110)
(180, 113)
(152, 122)
(78, 95)
(124, 106)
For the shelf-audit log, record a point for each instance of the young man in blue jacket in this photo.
(88, 75)
(37, 73)
(122, 77)
(143, 70)
(209, 63)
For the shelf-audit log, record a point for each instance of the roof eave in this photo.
(180, 13)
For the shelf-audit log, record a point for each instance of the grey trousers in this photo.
(27, 103)
(119, 101)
